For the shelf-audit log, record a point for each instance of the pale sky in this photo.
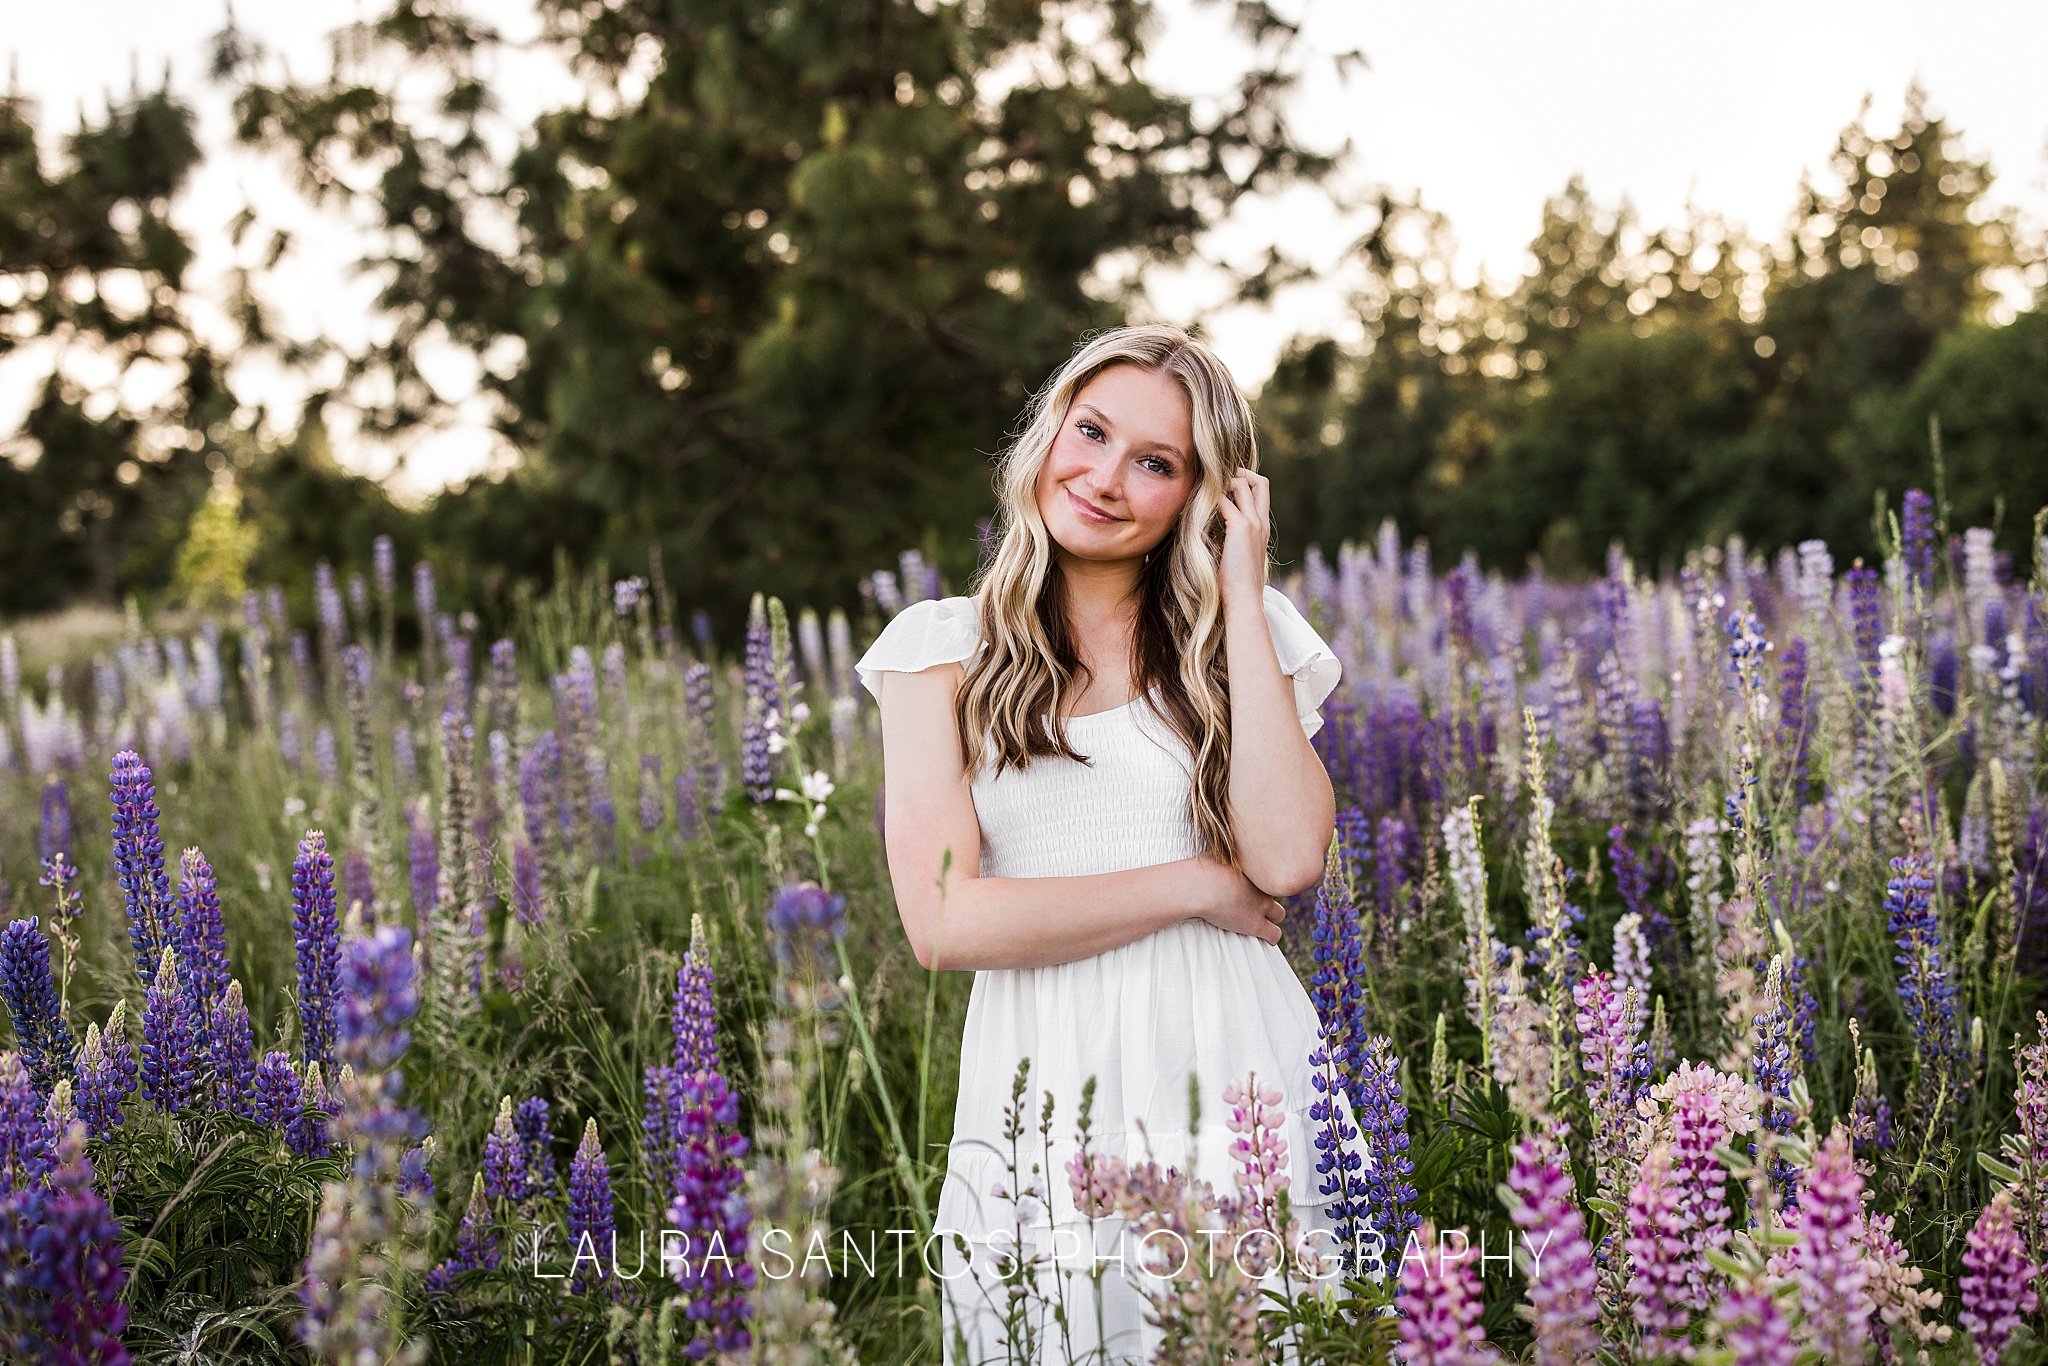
(1484, 107)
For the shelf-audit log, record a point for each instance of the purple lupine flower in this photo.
(1866, 622)
(804, 921)
(106, 1073)
(1383, 1123)
(1754, 1329)
(423, 596)
(316, 934)
(1997, 1284)
(708, 1205)
(55, 834)
(73, 1245)
(1338, 1159)
(1773, 1069)
(359, 887)
(1924, 985)
(359, 598)
(405, 754)
(689, 818)
(1557, 1258)
(1659, 1226)
(1916, 538)
(1828, 1260)
(540, 781)
(1796, 718)
(202, 939)
(306, 1133)
(231, 1049)
(1440, 1304)
(416, 1175)
(30, 991)
(476, 1243)
(528, 902)
(650, 793)
(592, 1233)
(1705, 1109)
(384, 565)
(1615, 1060)
(531, 1120)
(505, 1158)
(276, 1090)
(1633, 882)
(1337, 983)
(657, 1127)
(379, 995)
(170, 1040)
(426, 864)
(139, 862)
(25, 1147)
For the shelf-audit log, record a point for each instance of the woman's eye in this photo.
(1087, 428)
(1165, 466)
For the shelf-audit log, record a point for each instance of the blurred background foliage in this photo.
(770, 293)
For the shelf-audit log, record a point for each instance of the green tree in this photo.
(96, 489)
(772, 283)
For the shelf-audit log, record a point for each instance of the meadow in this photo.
(538, 996)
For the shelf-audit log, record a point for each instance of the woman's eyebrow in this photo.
(1167, 446)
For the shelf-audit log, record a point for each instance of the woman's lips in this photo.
(1087, 510)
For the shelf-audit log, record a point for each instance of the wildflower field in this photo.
(538, 996)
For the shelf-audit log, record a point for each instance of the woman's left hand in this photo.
(1247, 534)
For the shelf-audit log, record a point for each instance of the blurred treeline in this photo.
(770, 292)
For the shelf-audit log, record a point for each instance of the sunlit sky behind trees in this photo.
(1483, 110)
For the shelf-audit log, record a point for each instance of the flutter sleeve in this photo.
(927, 632)
(1304, 657)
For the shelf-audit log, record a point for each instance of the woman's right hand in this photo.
(1232, 902)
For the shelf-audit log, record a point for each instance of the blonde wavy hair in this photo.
(1030, 667)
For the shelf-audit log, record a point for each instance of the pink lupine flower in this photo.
(1828, 1260)
(1660, 1256)
(1697, 1109)
(1754, 1330)
(1564, 1302)
(1901, 1331)
(1997, 1283)
(1440, 1304)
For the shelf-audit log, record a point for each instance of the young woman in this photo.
(1140, 702)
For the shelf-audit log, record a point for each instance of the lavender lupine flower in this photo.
(384, 565)
(804, 921)
(531, 1120)
(1440, 1304)
(139, 862)
(476, 1243)
(1827, 1261)
(30, 991)
(1659, 1256)
(689, 818)
(528, 900)
(504, 1170)
(170, 1040)
(1701, 1110)
(73, 1246)
(1997, 1284)
(1556, 1257)
(316, 933)
(202, 940)
(1924, 985)
(540, 795)
(276, 1089)
(405, 754)
(55, 834)
(592, 1233)
(231, 1050)
(345, 1287)
(25, 1147)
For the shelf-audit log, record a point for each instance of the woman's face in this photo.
(1127, 448)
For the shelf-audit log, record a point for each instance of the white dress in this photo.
(1138, 1018)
